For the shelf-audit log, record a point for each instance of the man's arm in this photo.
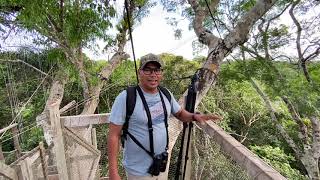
(186, 116)
(114, 137)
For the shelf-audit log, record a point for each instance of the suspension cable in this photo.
(130, 33)
(24, 105)
(110, 85)
(214, 22)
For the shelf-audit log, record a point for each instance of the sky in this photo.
(154, 35)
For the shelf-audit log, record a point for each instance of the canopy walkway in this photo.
(72, 152)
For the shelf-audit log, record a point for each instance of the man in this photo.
(137, 160)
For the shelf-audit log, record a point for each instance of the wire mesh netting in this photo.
(82, 158)
(207, 160)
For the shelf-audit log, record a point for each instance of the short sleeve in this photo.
(118, 111)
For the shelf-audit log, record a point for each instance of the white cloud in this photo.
(154, 35)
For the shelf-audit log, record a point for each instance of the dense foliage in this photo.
(244, 112)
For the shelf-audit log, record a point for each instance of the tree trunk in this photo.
(55, 96)
(311, 165)
(92, 103)
(305, 70)
(310, 154)
(218, 50)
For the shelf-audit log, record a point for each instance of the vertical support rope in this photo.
(130, 33)
(214, 22)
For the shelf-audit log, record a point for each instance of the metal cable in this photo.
(130, 33)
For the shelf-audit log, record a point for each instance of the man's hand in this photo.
(186, 116)
(201, 118)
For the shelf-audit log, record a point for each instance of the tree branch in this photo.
(240, 32)
(294, 114)
(27, 64)
(316, 137)
(272, 112)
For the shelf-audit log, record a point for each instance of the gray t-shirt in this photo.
(135, 160)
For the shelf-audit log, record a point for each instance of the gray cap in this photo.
(150, 58)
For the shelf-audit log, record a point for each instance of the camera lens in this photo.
(164, 160)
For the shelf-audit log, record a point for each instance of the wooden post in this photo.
(58, 141)
(7, 172)
(44, 163)
(94, 137)
(1, 153)
(15, 134)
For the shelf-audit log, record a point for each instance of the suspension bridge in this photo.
(72, 152)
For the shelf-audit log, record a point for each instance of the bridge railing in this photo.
(254, 166)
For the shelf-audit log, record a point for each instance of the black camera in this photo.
(159, 164)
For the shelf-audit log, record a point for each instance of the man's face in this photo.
(150, 76)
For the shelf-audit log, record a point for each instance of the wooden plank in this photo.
(58, 140)
(24, 169)
(41, 118)
(7, 128)
(94, 137)
(16, 143)
(30, 153)
(66, 107)
(82, 158)
(34, 157)
(1, 152)
(44, 164)
(85, 120)
(94, 168)
(255, 167)
(81, 141)
(29, 162)
(8, 172)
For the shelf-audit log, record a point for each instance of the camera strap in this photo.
(150, 129)
(165, 118)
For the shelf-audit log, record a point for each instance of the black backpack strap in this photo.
(130, 104)
(149, 119)
(165, 117)
(131, 101)
(140, 145)
(166, 92)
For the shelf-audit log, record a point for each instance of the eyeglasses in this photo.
(148, 71)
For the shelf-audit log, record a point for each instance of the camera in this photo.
(159, 164)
